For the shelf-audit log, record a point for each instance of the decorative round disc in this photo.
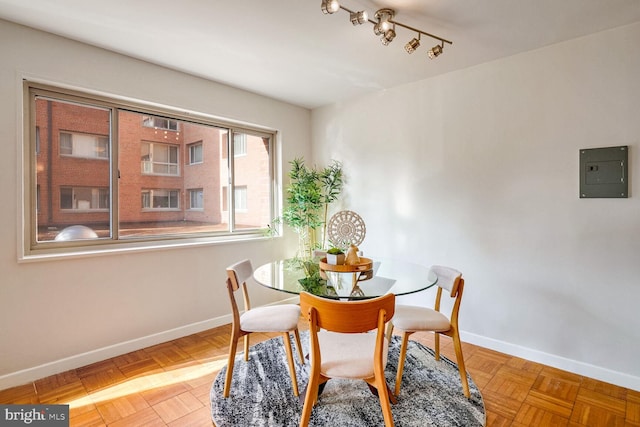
(345, 228)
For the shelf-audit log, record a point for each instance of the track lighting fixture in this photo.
(358, 18)
(384, 17)
(435, 51)
(388, 36)
(412, 45)
(385, 26)
(330, 6)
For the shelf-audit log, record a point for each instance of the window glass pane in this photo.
(252, 196)
(159, 200)
(83, 145)
(165, 166)
(240, 198)
(71, 168)
(37, 140)
(195, 153)
(196, 199)
(159, 158)
(159, 123)
(66, 198)
(239, 144)
(102, 147)
(66, 146)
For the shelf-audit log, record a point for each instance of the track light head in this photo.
(330, 6)
(358, 18)
(377, 29)
(435, 51)
(412, 45)
(388, 37)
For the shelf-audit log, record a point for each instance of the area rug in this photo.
(261, 393)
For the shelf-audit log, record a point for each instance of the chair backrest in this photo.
(348, 316)
(448, 278)
(240, 272)
(237, 276)
(451, 280)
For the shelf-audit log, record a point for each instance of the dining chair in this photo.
(281, 318)
(342, 345)
(409, 319)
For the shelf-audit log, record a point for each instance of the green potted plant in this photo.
(309, 194)
(335, 256)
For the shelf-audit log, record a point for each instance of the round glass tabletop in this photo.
(389, 276)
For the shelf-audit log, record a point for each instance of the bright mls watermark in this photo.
(34, 415)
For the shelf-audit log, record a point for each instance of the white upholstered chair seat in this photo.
(414, 318)
(276, 318)
(409, 319)
(348, 356)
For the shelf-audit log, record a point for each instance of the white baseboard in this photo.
(574, 366)
(37, 372)
(31, 374)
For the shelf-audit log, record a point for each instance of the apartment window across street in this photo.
(195, 153)
(114, 167)
(239, 144)
(78, 145)
(159, 123)
(82, 198)
(158, 158)
(240, 201)
(160, 199)
(196, 199)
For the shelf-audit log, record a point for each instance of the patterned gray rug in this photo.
(261, 393)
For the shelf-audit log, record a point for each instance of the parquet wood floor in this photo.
(168, 385)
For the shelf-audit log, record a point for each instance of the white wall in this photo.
(478, 169)
(61, 314)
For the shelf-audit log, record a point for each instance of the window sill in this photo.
(110, 248)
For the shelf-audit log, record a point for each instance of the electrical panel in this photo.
(604, 172)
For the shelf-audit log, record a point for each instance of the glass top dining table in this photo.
(389, 276)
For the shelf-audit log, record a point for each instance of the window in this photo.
(239, 144)
(156, 200)
(160, 199)
(158, 158)
(88, 146)
(159, 123)
(196, 199)
(37, 139)
(82, 198)
(195, 153)
(240, 198)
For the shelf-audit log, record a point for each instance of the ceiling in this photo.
(291, 51)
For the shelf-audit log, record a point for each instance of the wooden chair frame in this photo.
(453, 332)
(347, 317)
(237, 332)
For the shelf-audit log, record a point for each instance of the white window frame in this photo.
(31, 248)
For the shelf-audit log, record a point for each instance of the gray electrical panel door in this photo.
(604, 172)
